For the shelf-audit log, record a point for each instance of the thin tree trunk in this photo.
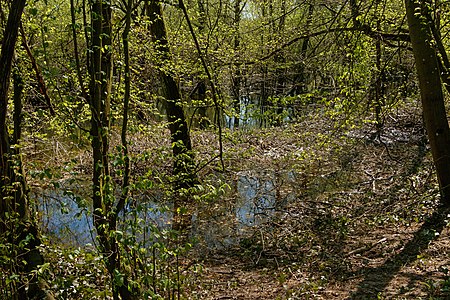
(214, 90)
(13, 186)
(355, 14)
(40, 79)
(7, 52)
(76, 52)
(86, 35)
(183, 167)
(300, 86)
(280, 68)
(378, 83)
(183, 160)
(105, 214)
(236, 89)
(126, 104)
(97, 132)
(204, 121)
(431, 93)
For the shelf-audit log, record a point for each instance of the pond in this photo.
(66, 217)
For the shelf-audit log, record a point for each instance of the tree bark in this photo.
(379, 97)
(105, 214)
(180, 136)
(280, 72)
(204, 121)
(76, 52)
(236, 88)
(16, 224)
(183, 167)
(300, 84)
(431, 93)
(7, 52)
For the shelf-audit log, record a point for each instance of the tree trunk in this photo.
(183, 168)
(40, 79)
(378, 83)
(16, 224)
(431, 93)
(98, 132)
(236, 89)
(76, 51)
(204, 121)
(105, 213)
(355, 14)
(300, 84)
(175, 115)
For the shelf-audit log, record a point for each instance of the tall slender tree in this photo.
(17, 225)
(300, 84)
(183, 167)
(106, 209)
(201, 86)
(237, 78)
(431, 92)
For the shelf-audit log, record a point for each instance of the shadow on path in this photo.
(377, 279)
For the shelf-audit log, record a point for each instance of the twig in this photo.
(208, 73)
(366, 247)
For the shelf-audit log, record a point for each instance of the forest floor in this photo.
(356, 213)
(364, 221)
(392, 267)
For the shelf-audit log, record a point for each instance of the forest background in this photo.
(254, 149)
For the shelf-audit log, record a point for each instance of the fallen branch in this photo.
(366, 248)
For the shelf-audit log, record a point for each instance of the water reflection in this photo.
(256, 202)
(68, 219)
(64, 220)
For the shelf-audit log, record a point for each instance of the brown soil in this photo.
(364, 223)
(394, 263)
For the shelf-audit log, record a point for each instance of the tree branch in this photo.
(364, 28)
(40, 79)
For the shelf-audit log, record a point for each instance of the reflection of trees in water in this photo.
(65, 219)
(254, 198)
